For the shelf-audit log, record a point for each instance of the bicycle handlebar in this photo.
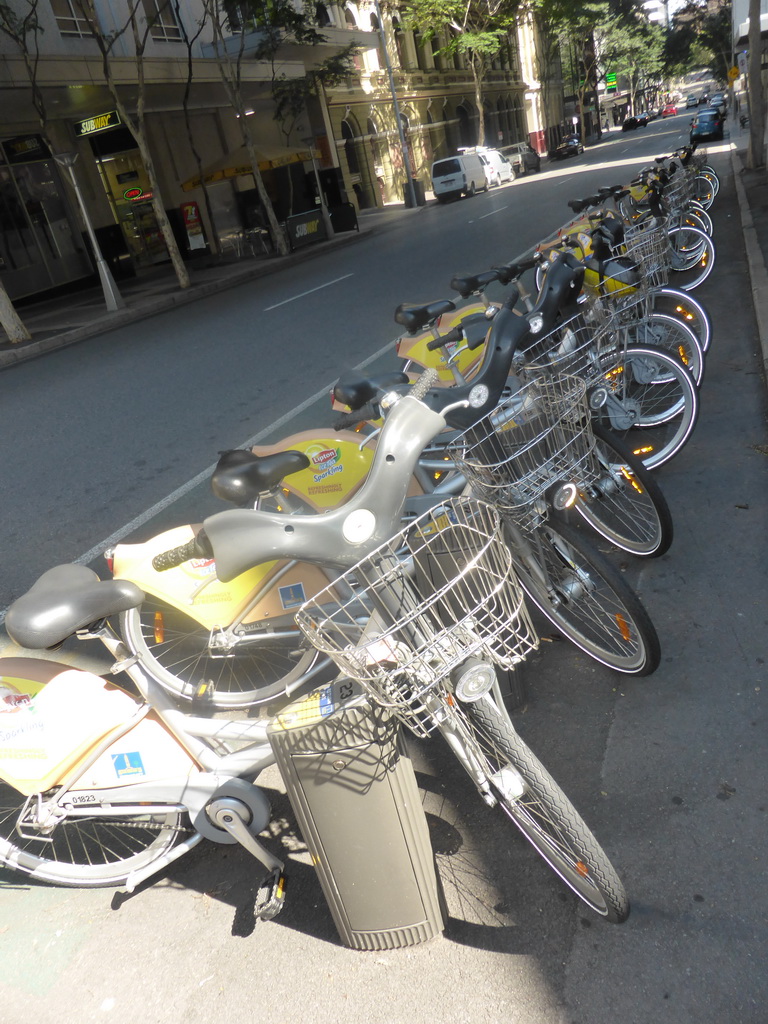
(198, 547)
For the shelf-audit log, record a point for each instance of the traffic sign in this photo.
(733, 73)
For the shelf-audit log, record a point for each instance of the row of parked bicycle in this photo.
(399, 548)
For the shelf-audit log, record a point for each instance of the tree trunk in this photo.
(10, 320)
(160, 215)
(477, 75)
(756, 149)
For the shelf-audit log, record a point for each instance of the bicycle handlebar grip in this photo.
(445, 339)
(198, 547)
(351, 419)
(424, 383)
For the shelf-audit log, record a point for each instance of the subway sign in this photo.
(99, 123)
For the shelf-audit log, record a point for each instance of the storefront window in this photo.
(40, 245)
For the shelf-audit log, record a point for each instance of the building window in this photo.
(161, 19)
(322, 17)
(70, 18)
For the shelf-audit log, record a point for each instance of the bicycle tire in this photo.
(657, 398)
(625, 505)
(673, 335)
(256, 673)
(544, 814)
(703, 190)
(685, 307)
(692, 263)
(85, 852)
(587, 599)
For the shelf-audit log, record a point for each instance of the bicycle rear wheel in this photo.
(543, 813)
(176, 651)
(585, 598)
(86, 852)
(653, 403)
(626, 505)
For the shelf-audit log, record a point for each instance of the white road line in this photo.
(145, 517)
(493, 212)
(302, 294)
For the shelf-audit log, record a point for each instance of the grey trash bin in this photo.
(354, 793)
(418, 190)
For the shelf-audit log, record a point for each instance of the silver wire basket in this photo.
(648, 247)
(575, 347)
(539, 437)
(440, 591)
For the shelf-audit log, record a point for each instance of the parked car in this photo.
(708, 124)
(570, 145)
(630, 124)
(692, 101)
(719, 102)
(668, 110)
(454, 176)
(523, 157)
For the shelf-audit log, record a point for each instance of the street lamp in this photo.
(323, 208)
(112, 296)
(388, 62)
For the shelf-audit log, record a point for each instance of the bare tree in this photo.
(11, 321)
(139, 30)
(231, 70)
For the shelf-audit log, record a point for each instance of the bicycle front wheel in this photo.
(692, 257)
(625, 504)
(685, 307)
(586, 598)
(543, 813)
(653, 403)
(86, 852)
(176, 651)
(673, 335)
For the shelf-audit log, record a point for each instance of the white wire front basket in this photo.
(537, 438)
(440, 591)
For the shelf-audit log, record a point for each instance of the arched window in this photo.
(350, 148)
(466, 133)
(322, 17)
(349, 18)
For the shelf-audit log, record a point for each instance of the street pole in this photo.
(323, 208)
(396, 105)
(112, 296)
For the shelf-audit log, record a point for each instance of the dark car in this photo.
(707, 124)
(523, 157)
(570, 145)
(629, 124)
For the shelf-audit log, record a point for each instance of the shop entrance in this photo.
(127, 187)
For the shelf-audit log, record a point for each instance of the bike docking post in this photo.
(354, 792)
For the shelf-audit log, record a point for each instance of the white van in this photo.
(460, 175)
(497, 167)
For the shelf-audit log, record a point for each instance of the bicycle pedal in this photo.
(270, 897)
(204, 692)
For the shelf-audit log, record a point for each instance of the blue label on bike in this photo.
(128, 764)
(327, 703)
(292, 596)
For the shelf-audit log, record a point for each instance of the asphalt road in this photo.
(669, 771)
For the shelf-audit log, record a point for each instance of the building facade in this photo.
(67, 106)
